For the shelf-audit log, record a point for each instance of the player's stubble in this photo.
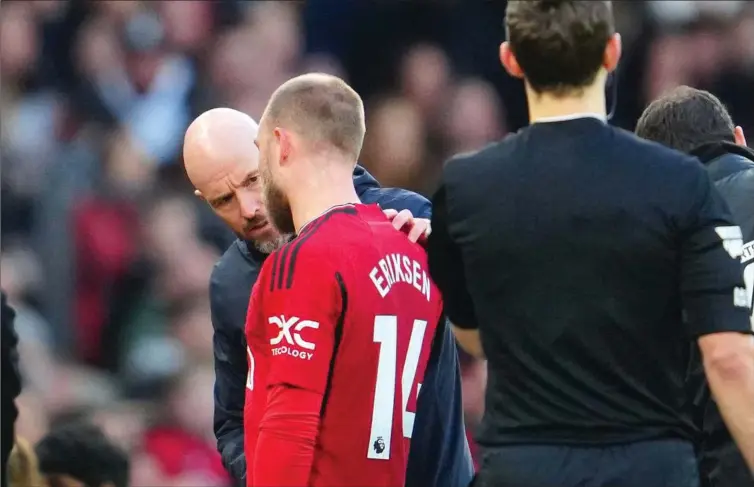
(274, 199)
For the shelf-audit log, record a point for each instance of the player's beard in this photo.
(276, 203)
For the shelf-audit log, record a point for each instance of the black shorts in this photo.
(661, 463)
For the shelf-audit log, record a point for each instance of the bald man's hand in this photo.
(418, 229)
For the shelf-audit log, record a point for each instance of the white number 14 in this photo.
(386, 334)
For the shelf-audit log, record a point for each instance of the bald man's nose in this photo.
(250, 204)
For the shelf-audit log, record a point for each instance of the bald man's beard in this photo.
(277, 206)
(270, 245)
(266, 244)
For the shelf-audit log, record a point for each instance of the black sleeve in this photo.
(11, 384)
(446, 266)
(712, 284)
(230, 383)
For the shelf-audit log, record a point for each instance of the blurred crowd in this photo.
(106, 254)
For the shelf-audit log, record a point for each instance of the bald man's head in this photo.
(218, 138)
(222, 162)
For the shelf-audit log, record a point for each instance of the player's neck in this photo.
(545, 106)
(320, 192)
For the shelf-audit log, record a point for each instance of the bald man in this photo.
(222, 163)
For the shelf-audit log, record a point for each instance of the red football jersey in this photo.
(346, 310)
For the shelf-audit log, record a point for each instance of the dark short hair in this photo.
(82, 451)
(685, 119)
(323, 108)
(559, 44)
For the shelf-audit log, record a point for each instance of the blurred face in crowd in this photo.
(272, 143)
(223, 164)
(18, 44)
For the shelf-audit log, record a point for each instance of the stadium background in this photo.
(105, 253)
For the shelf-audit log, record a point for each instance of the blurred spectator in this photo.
(425, 79)
(108, 270)
(23, 466)
(77, 453)
(181, 443)
(476, 116)
(394, 148)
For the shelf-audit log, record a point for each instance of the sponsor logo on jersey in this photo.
(289, 340)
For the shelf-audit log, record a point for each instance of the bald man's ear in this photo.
(199, 195)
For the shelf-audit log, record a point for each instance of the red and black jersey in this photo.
(339, 330)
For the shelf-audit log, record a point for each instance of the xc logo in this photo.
(292, 337)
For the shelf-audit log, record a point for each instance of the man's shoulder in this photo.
(473, 166)
(673, 177)
(490, 152)
(738, 190)
(234, 263)
(630, 144)
(232, 279)
(471, 178)
(309, 254)
(397, 199)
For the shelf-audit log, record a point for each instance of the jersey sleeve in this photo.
(446, 266)
(712, 284)
(303, 308)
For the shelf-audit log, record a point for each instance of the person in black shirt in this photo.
(567, 254)
(697, 123)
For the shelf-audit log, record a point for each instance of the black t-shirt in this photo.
(573, 247)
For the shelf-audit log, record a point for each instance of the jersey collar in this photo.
(346, 205)
(572, 116)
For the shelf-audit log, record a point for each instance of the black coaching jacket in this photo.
(731, 167)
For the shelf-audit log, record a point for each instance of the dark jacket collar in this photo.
(362, 181)
(250, 252)
(724, 158)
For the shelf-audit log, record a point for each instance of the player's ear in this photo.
(738, 135)
(613, 50)
(509, 61)
(283, 138)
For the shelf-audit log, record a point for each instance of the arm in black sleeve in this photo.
(230, 383)
(446, 266)
(712, 284)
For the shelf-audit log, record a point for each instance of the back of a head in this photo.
(685, 119)
(559, 44)
(322, 109)
(82, 451)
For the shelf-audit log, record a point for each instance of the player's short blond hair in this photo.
(323, 109)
